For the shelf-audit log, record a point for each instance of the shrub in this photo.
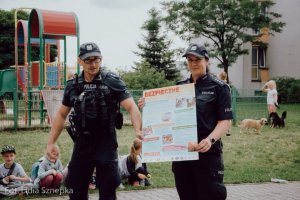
(288, 89)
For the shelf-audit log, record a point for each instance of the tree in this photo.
(227, 24)
(7, 34)
(7, 40)
(144, 77)
(156, 48)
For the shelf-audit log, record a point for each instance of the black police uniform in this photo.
(96, 143)
(203, 179)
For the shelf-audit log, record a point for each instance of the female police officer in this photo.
(94, 95)
(203, 179)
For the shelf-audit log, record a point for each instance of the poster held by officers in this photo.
(169, 124)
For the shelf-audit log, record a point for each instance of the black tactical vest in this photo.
(94, 106)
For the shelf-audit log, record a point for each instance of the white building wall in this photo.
(283, 53)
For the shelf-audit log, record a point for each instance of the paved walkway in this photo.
(262, 191)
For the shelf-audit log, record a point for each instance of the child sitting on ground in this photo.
(12, 175)
(50, 171)
(131, 166)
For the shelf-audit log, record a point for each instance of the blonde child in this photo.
(131, 166)
(50, 174)
(12, 175)
(272, 96)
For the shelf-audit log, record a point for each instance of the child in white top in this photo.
(272, 96)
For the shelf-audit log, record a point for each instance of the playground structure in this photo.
(24, 84)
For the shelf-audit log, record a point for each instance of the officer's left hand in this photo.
(141, 102)
(203, 146)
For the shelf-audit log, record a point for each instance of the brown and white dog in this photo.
(252, 124)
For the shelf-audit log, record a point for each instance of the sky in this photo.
(115, 25)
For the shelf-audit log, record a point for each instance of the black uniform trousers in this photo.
(81, 168)
(200, 179)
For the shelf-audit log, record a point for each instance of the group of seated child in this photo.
(14, 180)
(48, 172)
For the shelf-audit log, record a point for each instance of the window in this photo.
(258, 61)
(261, 57)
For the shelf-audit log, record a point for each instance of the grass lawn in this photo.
(248, 157)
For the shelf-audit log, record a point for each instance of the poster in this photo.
(169, 124)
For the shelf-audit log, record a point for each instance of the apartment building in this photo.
(279, 56)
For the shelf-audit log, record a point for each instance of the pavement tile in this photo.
(260, 191)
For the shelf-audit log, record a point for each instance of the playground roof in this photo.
(23, 35)
(52, 24)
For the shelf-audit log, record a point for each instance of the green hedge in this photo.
(288, 89)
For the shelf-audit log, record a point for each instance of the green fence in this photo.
(15, 112)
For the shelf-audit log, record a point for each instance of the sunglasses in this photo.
(89, 61)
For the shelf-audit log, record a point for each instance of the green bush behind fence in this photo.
(246, 104)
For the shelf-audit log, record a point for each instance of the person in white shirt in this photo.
(272, 96)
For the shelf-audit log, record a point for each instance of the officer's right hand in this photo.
(141, 102)
(50, 148)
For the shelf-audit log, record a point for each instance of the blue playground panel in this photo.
(52, 76)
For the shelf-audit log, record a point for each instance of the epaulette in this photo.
(218, 81)
(113, 81)
(187, 80)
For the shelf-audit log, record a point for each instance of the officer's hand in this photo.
(141, 102)
(50, 148)
(204, 145)
(192, 146)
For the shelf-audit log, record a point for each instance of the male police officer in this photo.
(94, 95)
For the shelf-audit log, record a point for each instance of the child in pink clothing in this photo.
(50, 171)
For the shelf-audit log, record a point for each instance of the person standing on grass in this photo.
(203, 178)
(94, 95)
(272, 96)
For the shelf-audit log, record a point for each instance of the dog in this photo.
(252, 124)
(277, 121)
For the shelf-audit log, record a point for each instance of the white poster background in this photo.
(169, 124)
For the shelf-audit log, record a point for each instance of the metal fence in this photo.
(17, 112)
